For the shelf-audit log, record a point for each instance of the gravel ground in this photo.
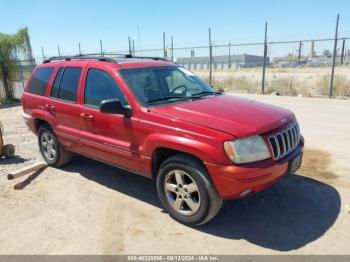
(92, 208)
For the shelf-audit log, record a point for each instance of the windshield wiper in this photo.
(167, 98)
(206, 93)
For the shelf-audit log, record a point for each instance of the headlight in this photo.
(247, 150)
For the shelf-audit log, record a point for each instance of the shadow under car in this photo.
(290, 214)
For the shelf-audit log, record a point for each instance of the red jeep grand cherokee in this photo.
(159, 120)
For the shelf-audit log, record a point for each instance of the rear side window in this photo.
(101, 86)
(39, 80)
(66, 83)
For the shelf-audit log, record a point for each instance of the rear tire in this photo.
(51, 149)
(183, 179)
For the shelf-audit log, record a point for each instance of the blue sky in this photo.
(68, 22)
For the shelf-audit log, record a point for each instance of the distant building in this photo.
(223, 61)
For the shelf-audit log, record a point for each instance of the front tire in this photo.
(51, 149)
(186, 191)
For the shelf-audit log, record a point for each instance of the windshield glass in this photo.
(160, 85)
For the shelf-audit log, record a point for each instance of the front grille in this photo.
(284, 142)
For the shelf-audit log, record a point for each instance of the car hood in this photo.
(233, 115)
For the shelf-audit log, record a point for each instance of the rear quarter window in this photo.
(56, 83)
(39, 81)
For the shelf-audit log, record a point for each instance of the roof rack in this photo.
(110, 57)
(118, 55)
(78, 57)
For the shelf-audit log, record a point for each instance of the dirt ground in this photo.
(92, 208)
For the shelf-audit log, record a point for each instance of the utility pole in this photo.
(130, 52)
(229, 54)
(79, 48)
(210, 58)
(334, 58)
(264, 65)
(133, 47)
(342, 53)
(58, 49)
(164, 50)
(101, 48)
(172, 49)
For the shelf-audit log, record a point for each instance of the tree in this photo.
(10, 47)
(327, 53)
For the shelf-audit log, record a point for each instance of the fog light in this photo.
(246, 192)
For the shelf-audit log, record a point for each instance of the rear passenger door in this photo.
(62, 105)
(107, 137)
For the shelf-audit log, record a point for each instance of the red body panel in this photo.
(198, 128)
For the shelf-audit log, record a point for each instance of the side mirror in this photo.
(113, 106)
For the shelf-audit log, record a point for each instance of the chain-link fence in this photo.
(296, 67)
(23, 68)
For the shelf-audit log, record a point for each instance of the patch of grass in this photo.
(341, 86)
(236, 84)
(283, 86)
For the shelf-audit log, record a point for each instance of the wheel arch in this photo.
(38, 122)
(161, 154)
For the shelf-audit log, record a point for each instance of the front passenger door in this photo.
(107, 137)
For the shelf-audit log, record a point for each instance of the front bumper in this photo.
(233, 180)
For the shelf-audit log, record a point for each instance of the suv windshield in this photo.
(160, 85)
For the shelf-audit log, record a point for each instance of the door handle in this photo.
(50, 107)
(86, 116)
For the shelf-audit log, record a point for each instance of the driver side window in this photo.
(101, 86)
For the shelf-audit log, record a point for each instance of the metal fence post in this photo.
(229, 54)
(334, 58)
(299, 51)
(172, 49)
(342, 53)
(42, 53)
(129, 40)
(210, 58)
(264, 64)
(101, 48)
(164, 50)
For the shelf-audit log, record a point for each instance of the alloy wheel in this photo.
(48, 145)
(182, 192)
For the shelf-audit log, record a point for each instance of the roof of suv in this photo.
(125, 61)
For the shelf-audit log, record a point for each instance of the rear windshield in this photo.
(39, 80)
